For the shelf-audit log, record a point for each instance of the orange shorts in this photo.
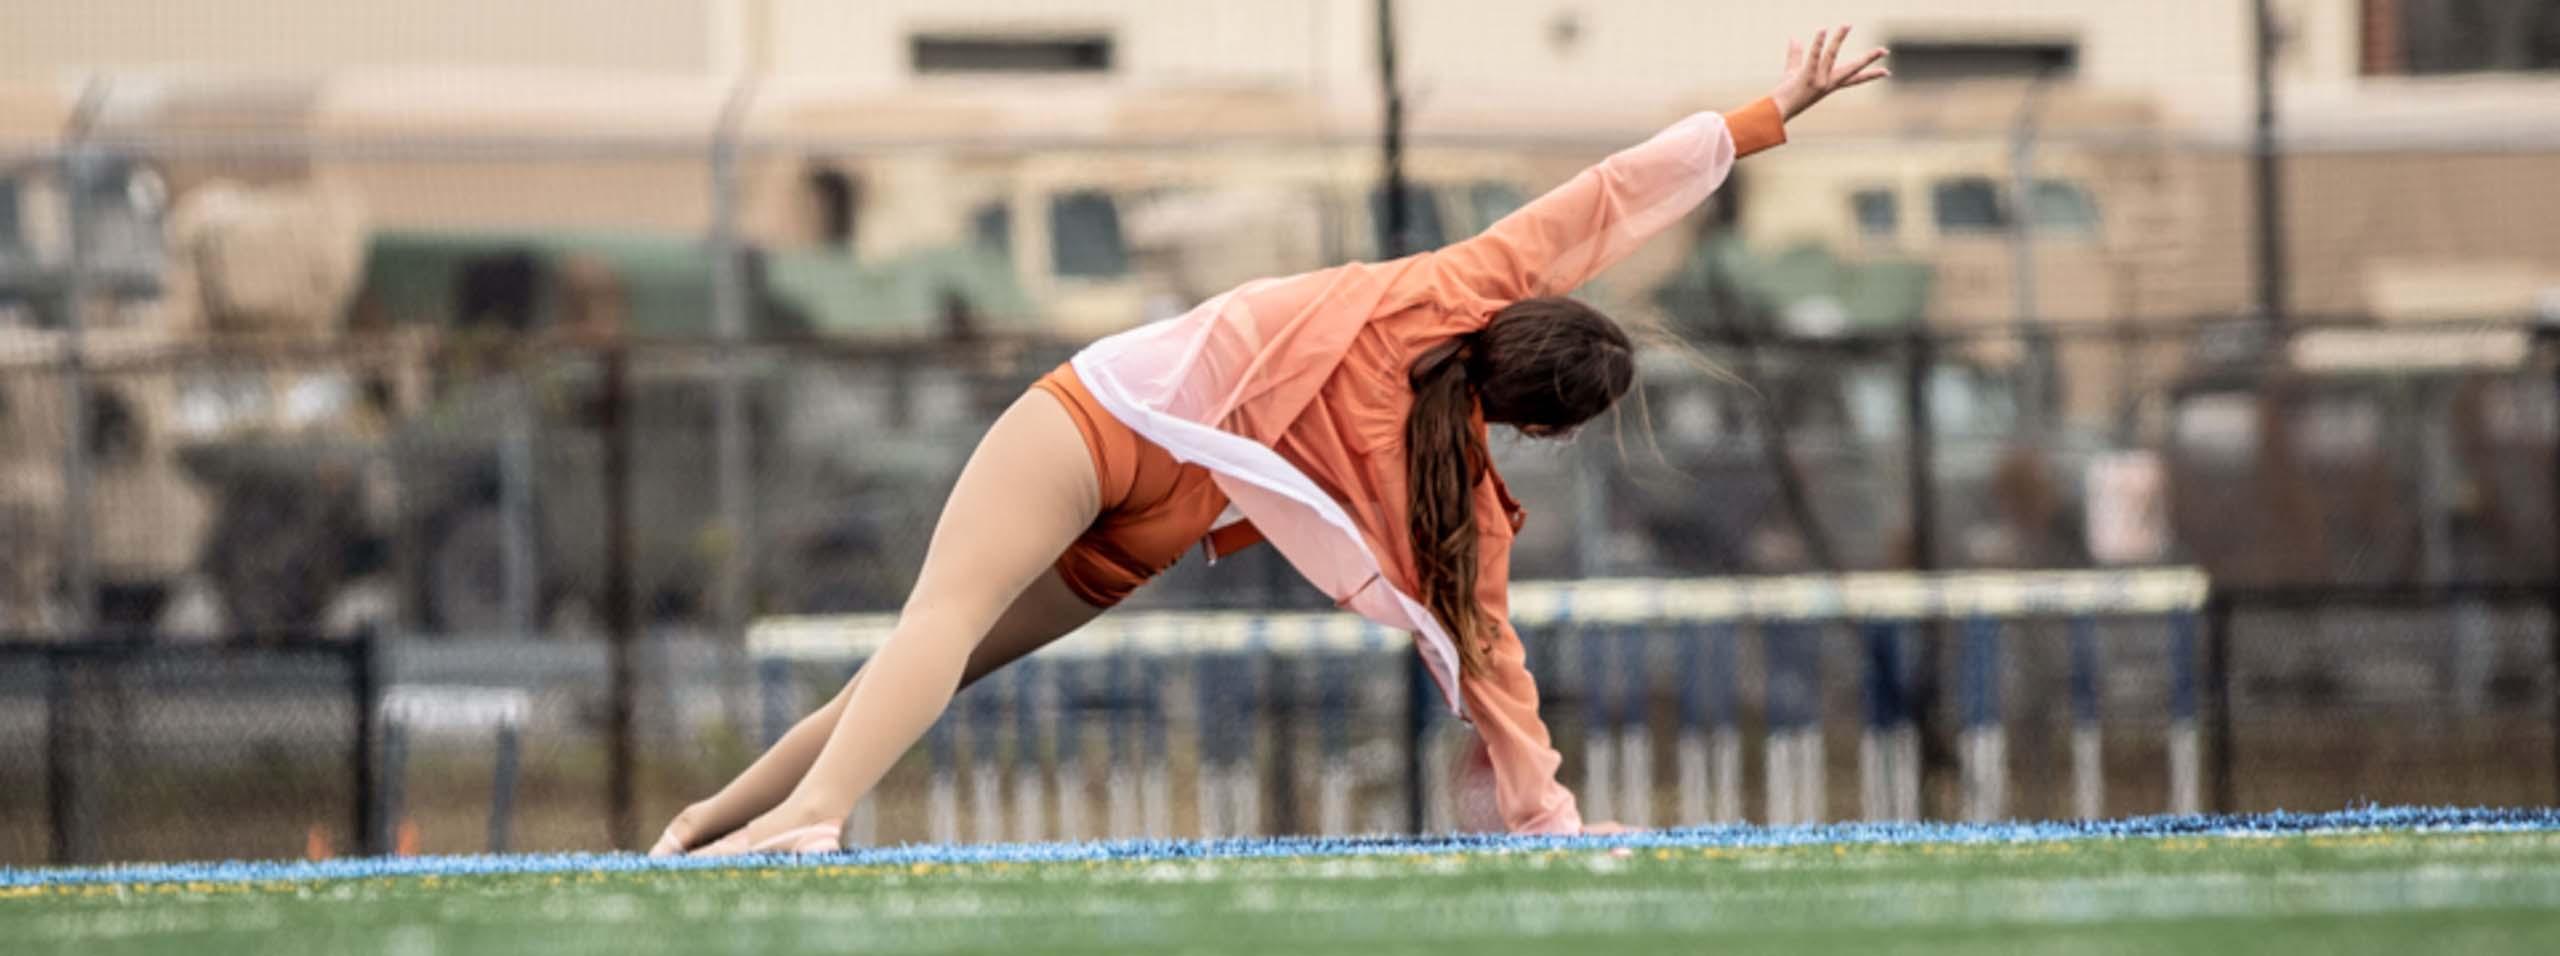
(1153, 507)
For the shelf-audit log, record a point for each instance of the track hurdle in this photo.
(1223, 685)
(1598, 674)
(984, 705)
(1889, 746)
(1074, 777)
(1731, 646)
(1635, 726)
(448, 709)
(1984, 739)
(2088, 771)
(1030, 795)
(2186, 760)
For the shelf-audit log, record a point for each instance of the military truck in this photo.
(863, 410)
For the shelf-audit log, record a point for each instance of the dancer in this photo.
(1340, 415)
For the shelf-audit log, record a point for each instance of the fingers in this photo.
(814, 838)
(777, 835)
(679, 834)
(1862, 66)
(1828, 50)
(1795, 56)
(668, 844)
(1866, 76)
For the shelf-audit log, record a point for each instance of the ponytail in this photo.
(1443, 457)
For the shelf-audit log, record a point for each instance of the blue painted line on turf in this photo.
(2407, 819)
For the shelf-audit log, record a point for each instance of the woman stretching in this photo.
(1339, 415)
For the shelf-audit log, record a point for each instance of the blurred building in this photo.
(2420, 130)
(2195, 54)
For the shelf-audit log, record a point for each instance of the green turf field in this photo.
(2380, 892)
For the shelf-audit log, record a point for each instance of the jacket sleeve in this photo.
(1503, 705)
(1562, 239)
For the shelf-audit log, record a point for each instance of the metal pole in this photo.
(621, 617)
(502, 786)
(2217, 688)
(61, 796)
(1919, 449)
(364, 658)
(77, 166)
(2550, 338)
(1920, 488)
(729, 324)
(518, 557)
(1417, 725)
(1391, 150)
(1280, 687)
(1391, 136)
(395, 789)
(2022, 258)
(732, 310)
(2269, 181)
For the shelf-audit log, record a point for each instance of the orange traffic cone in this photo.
(315, 843)
(405, 842)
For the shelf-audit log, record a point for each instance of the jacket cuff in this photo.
(1756, 127)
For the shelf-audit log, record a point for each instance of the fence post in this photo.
(1920, 490)
(364, 660)
(2217, 688)
(621, 618)
(1391, 140)
(62, 801)
(1417, 723)
(1985, 714)
(1280, 786)
(2548, 336)
(2266, 171)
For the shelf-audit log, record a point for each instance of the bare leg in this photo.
(1028, 491)
(1044, 612)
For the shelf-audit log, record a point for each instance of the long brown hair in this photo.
(1550, 364)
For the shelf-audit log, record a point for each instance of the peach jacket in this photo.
(1292, 392)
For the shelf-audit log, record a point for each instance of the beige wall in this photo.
(60, 40)
(2193, 56)
(1283, 43)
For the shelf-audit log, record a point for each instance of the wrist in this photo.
(1789, 101)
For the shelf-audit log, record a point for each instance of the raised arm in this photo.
(1564, 238)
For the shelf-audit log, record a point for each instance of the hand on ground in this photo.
(784, 829)
(685, 832)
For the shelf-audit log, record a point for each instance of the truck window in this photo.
(1879, 214)
(991, 227)
(2063, 206)
(1967, 204)
(1084, 236)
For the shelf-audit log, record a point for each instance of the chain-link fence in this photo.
(126, 751)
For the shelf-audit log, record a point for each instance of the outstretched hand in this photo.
(1815, 73)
